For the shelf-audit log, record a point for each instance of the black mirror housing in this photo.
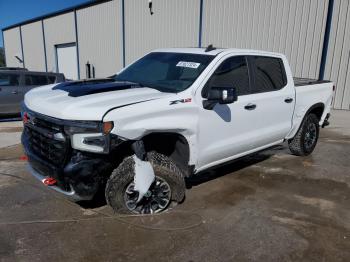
(221, 95)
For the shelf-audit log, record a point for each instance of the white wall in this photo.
(100, 42)
(33, 46)
(175, 23)
(292, 27)
(12, 42)
(58, 30)
(338, 58)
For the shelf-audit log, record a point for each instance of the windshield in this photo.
(166, 72)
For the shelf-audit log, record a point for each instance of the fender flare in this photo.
(297, 125)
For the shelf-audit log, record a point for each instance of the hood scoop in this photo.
(89, 87)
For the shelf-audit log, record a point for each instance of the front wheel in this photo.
(306, 138)
(169, 185)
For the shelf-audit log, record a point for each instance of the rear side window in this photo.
(35, 80)
(269, 74)
(233, 72)
(9, 79)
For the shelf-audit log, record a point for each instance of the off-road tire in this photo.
(123, 175)
(297, 144)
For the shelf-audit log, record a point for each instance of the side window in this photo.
(35, 80)
(233, 72)
(9, 79)
(52, 79)
(269, 74)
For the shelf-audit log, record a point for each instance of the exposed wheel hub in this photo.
(310, 135)
(155, 200)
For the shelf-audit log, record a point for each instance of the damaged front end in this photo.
(144, 173)
(71, 157)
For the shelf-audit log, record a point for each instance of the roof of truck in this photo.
(215, 51)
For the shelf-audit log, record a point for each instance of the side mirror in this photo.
(221, 95)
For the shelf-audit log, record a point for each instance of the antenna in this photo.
(209, 48)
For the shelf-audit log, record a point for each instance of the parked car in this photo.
(15, 82)
(170, 115)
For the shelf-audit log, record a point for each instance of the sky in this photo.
(16, 11)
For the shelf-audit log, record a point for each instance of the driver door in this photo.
(227, 130)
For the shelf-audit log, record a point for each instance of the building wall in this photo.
(175, 23)
(33, 46)
(12, 41)
(292, 27)
(338, 58)
(58, 30)
(100, 41)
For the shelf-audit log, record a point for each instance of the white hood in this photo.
(59, 104)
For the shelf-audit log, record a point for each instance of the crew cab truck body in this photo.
(181, 110)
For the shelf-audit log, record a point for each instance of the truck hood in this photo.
(87, 100)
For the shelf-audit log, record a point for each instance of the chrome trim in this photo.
(70, 194)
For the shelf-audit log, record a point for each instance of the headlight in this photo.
(90, 136)
(96, 143)
(88, 127)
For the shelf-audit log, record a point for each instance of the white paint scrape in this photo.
(144, 176)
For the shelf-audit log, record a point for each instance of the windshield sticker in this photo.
(188, 64)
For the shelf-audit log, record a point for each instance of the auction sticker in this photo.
(188, 64)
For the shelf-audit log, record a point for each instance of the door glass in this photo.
(233, 72)
(9, 80)
(270, 75)
(52, 79)
(36, 80)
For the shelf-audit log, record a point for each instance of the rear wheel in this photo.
(306, 138)
(169, 185)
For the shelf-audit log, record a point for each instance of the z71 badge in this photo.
(186, 100)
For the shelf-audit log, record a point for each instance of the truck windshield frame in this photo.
(166, 71)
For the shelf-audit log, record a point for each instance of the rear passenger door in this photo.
(271, 99)
(10, 99)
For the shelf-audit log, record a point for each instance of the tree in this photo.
(2, 57)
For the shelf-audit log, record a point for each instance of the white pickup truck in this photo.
(171, 114)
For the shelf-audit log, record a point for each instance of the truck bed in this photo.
(298, 81)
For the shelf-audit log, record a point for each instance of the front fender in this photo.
(159, 116)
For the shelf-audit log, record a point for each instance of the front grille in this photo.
(40, 137)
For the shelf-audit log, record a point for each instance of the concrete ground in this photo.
(269, 207)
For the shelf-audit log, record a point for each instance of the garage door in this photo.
(67, 61)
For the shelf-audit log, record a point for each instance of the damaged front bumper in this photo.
(78, 176)
(78, 180)
(70, 194)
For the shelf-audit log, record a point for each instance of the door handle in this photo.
(288, 100)
(14, 92)
(250, 106)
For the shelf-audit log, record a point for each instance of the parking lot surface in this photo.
(268, 207)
